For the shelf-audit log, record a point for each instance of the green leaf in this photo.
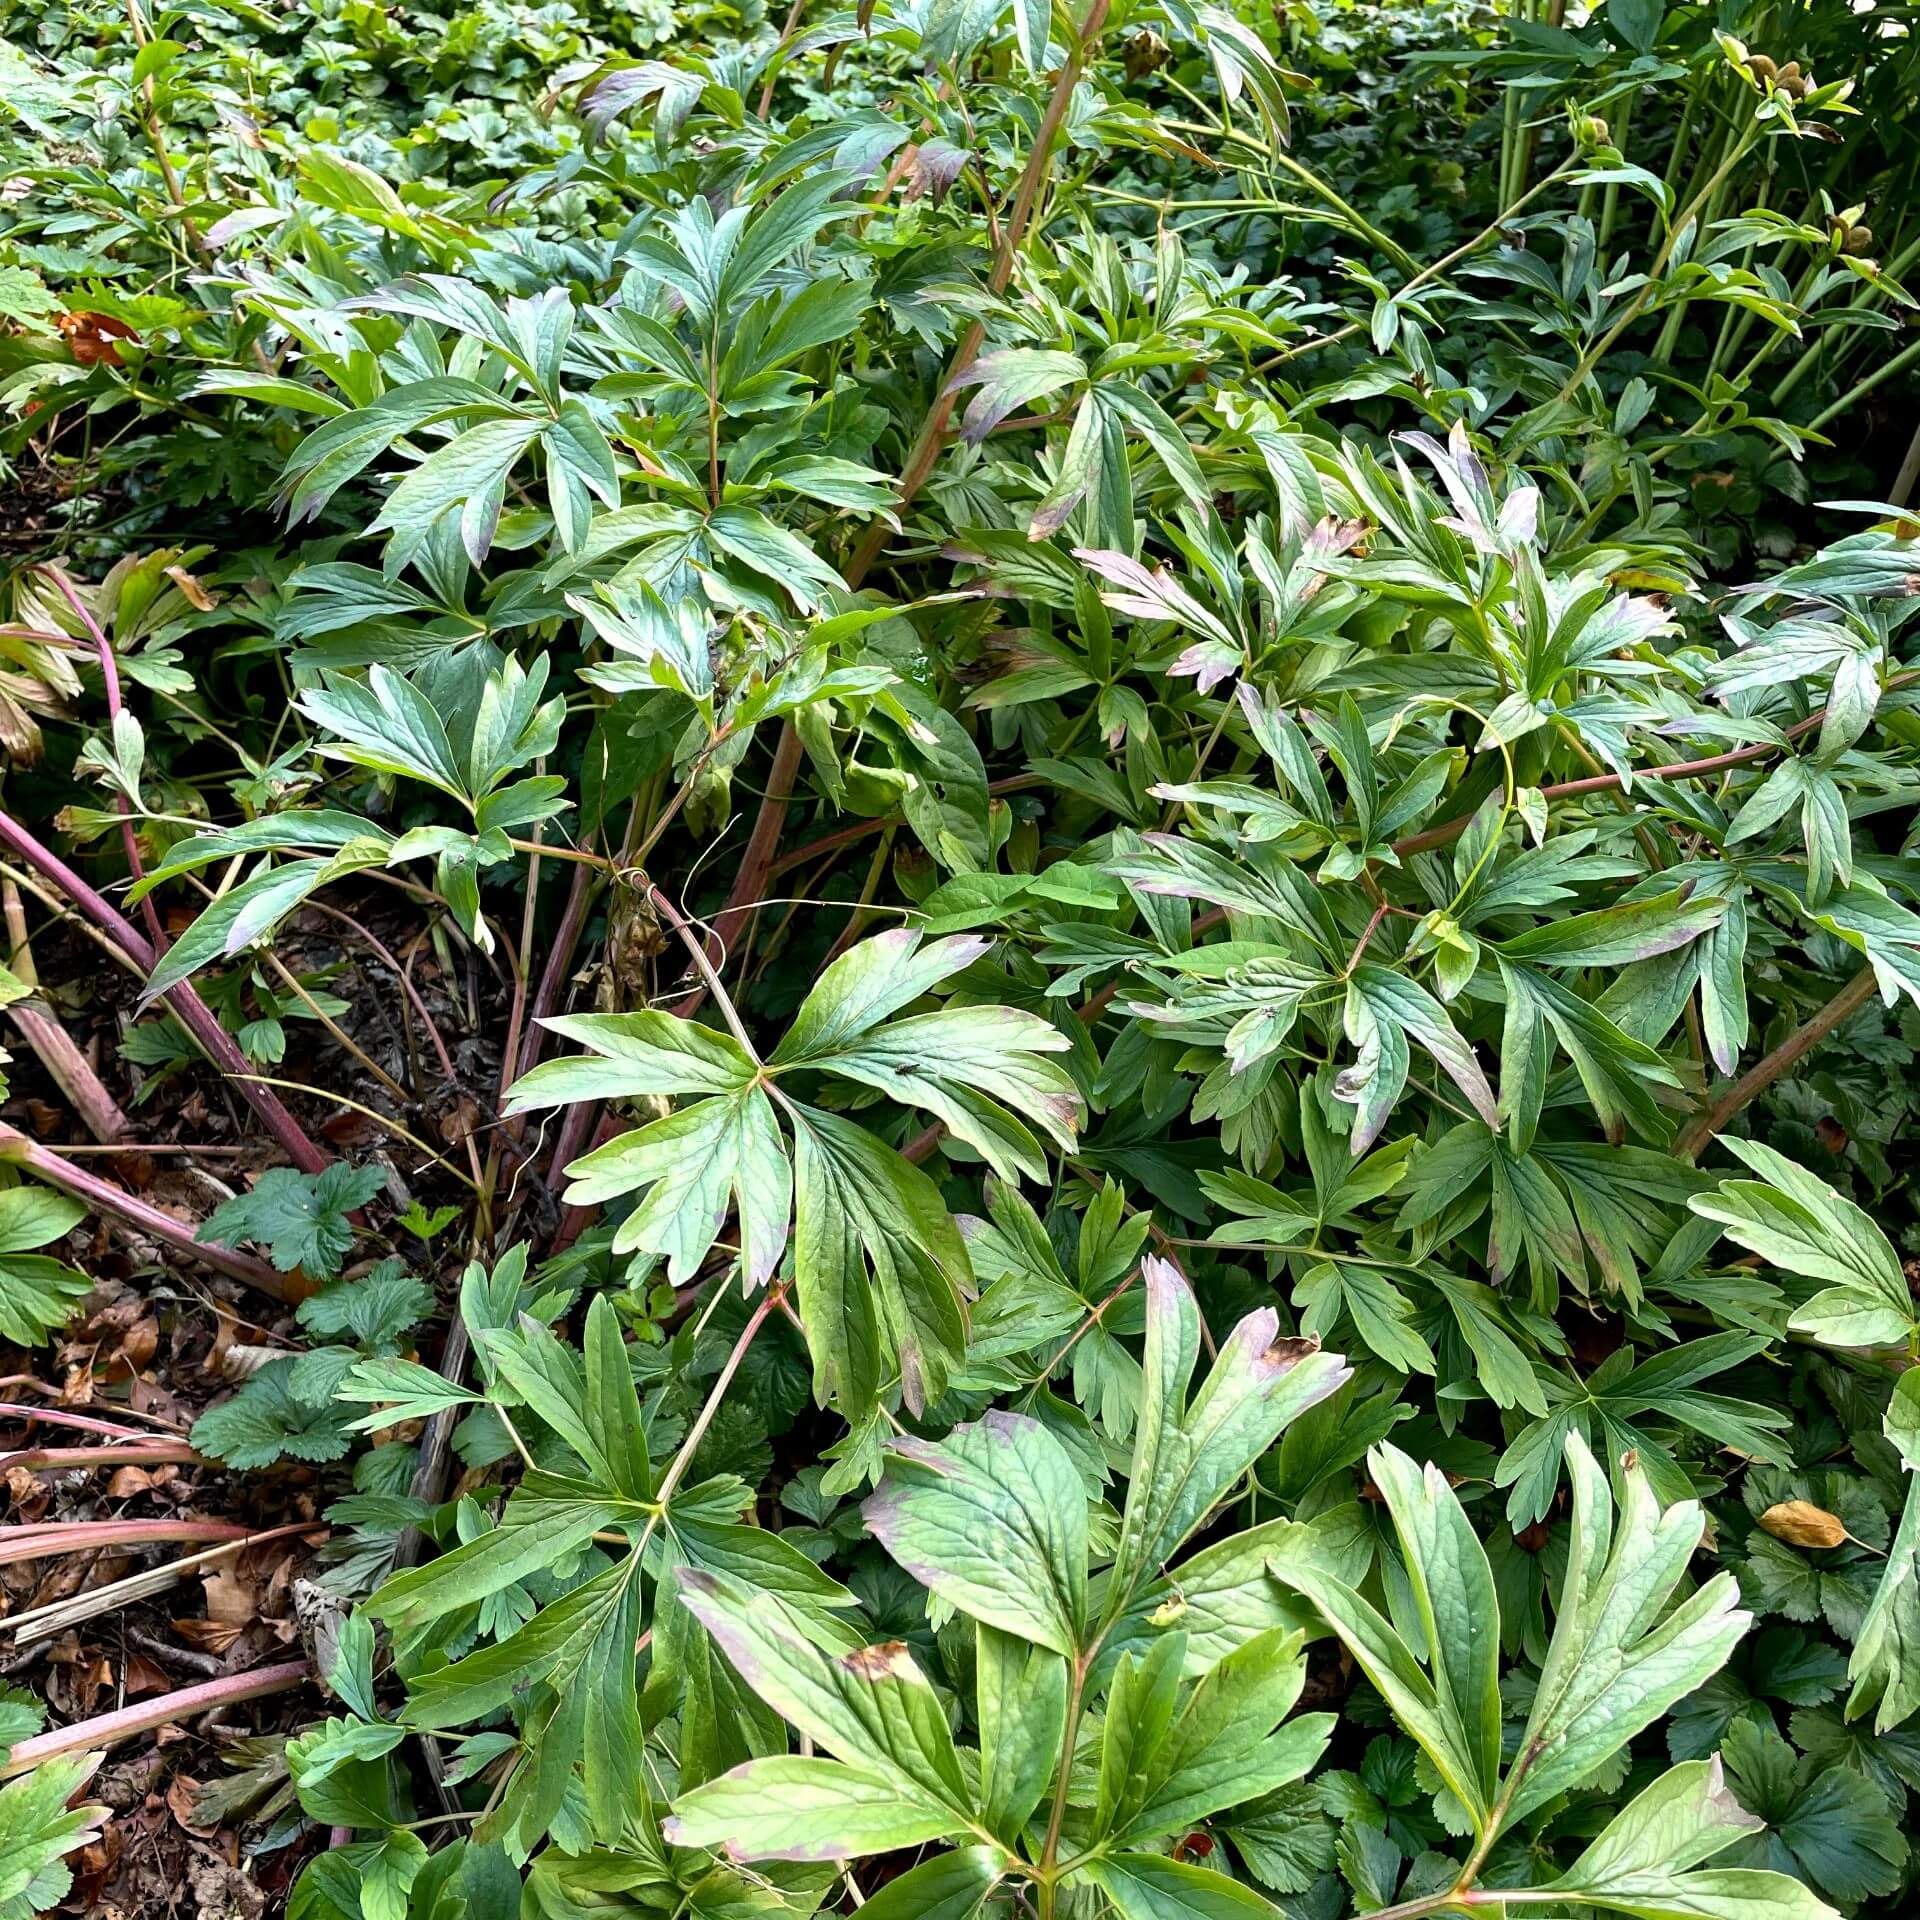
(37, 1292)
(404, 1389)
(793, 1808)
(881, 1271)
(951, 1886)
(1885, 1664)
(1188, 1456)
(1459, 1612)
(302, 1219)
(1617, 936)
(1642, 1862)
(265, 1422)
(1614, 1666)
(1008, 380)
(247, 914)
(1032, 21)
(372, 1310)
(612, 1409)
(1225, 1745)
(1383, 1010)
(994, 1520)
(634, 1056)
(748, 536)
(1396, 1673)
(469, 473)
(546, 1520)
(872, 1707)
(1148, 1886)
(1798, 1222)
(38, 1830)
(715, 1156)
(384, 722)
(944, 1062)
(869, 983)
(387, 1875)
(1020, 1695)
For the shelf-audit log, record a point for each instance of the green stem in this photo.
(1277, 157)
(1861, 388)
(1598, 352)
(1610, 200)
(1047, 1881)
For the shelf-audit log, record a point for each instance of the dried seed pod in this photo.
(1762, 68)
(1801, 1524)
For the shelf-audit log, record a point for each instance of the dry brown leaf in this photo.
(141, 1675)
(231, 1600)
(196, 595)
(209, 1636)
(182, 1790)
(1801, 1524)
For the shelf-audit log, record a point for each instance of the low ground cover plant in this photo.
(961, 960)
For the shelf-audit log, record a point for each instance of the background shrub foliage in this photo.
(1174, 746)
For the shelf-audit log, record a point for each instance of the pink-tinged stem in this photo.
(573, 917)
(135, 1453)
(574, 1221)
(1759, 1077)
(743, 898)
(195, 1015)
(106, 1198)
(81, 1423)
(75, 1422)
(91, 1536)
(108, 1729)
(110, 671)
(72, 1071)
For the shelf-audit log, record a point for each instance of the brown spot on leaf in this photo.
(889, 1660)
(1288, 1353)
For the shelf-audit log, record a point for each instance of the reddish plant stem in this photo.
(195, 1015)
(1764, 1072)
(135, 1453)
(925, 451)
(522, 970)
(574, 1138)
(922, 456)
(71, 1071)
(91, 1536)
(757, 862)
(865, 829)
(73, 1422)
(110, 672)
(107, 1729)
(1450, 830)
(553, 976)
(106, 1198)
